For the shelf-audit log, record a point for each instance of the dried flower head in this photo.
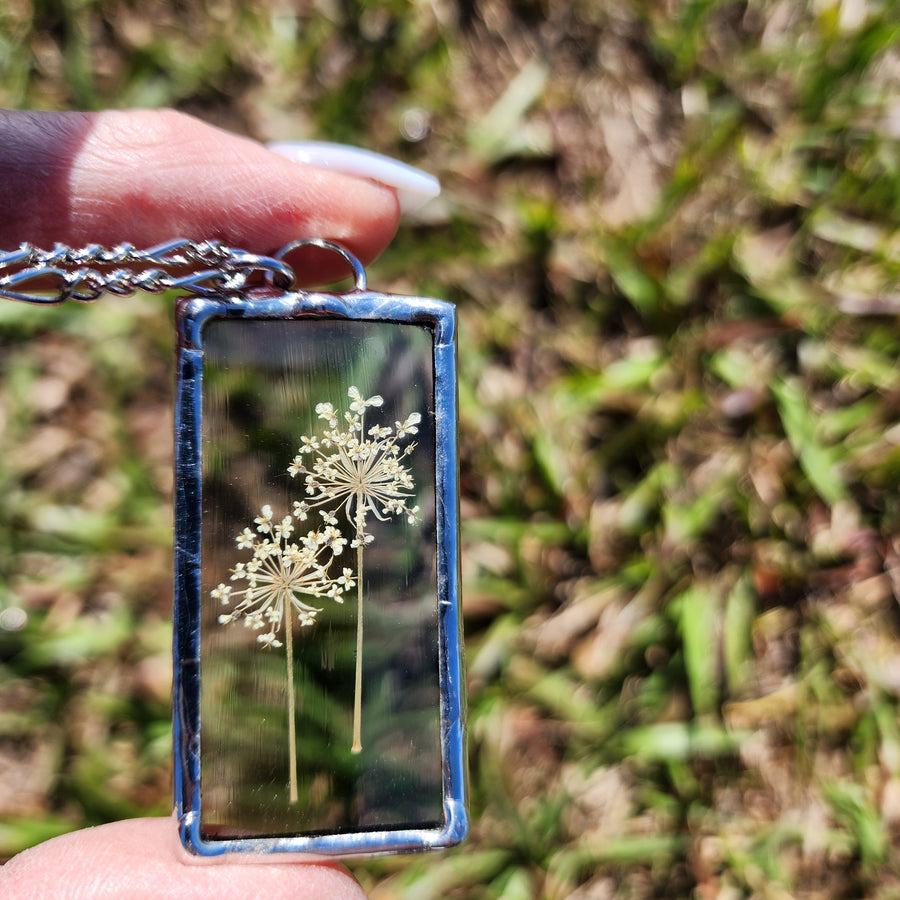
(281, 571)
(361, 470)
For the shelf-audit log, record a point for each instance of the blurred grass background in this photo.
(670, 228)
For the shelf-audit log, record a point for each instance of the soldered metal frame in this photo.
(193, 314)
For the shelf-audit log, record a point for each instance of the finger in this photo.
(147, 176)
(140, 859)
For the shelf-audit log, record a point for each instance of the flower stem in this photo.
(292, 725)
(357, 695)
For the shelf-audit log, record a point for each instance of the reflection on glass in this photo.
(320, 697)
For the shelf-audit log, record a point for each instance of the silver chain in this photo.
(32, 275)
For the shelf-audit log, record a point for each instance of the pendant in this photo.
(318, 703)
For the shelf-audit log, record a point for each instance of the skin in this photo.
(140, 859)
(146, 177)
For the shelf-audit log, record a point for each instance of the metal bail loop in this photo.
(359, 271)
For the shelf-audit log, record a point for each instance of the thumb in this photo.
(140, 859)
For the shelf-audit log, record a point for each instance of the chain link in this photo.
(84, 274)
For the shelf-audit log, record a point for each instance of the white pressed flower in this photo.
(264, 520)
(313, 540)
(278, 573)
(361, 474)
(221, 592)
(359, 402)
(263, 549)
(285, 529)
(334, 540)
(409, 426)
(269, 640)
(346, 578)
(326, 411)
(279, 580)
(245, 539)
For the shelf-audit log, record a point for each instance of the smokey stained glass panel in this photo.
(310, 726)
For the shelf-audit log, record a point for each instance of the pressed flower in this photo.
(276, 583)
(409, 426)
(264, 519)
(280, 573)
(359, 472)
(362, 475)
(347, 470)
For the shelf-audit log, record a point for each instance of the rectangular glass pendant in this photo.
(318, 672)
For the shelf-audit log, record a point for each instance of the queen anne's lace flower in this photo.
(281, 572)
(358, 469)
(359, 472)
(347, 470)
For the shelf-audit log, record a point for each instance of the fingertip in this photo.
(141, 859)
(148, 176)
(414, 187)
(359, 214)
(203, 183)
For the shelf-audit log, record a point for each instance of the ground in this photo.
(670, 229)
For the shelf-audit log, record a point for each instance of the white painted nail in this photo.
(413, 186)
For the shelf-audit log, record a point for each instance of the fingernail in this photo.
(413, 186)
